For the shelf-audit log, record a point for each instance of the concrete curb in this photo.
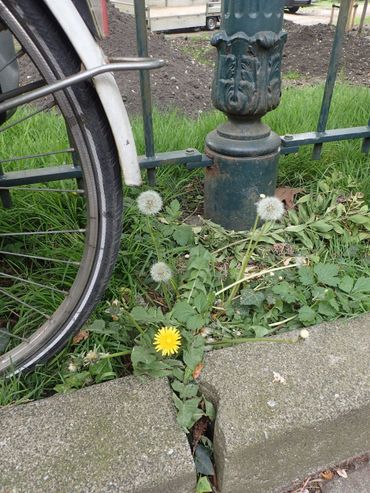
(268, 434)
(119, 436)
(122, 436)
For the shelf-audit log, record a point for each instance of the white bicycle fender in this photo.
(92, 56)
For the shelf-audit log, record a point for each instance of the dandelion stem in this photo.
(253, 276)
(154, 239)
(133, 321)
(116, 355)
(282, 322)
(245, 262)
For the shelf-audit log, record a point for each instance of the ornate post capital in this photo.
(247, 80)
(247, 85)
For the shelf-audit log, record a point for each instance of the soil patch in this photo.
(185, 82)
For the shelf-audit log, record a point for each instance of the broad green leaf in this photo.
(145, 362)
(327, 274)
(189, 412)
(346, 284)
(97, 326)
(307, 315)
(362, 285)
(202, 459)
(210, 410)
(321, 226)
(193, 355)
(200, 302)
(147, 315)
(286, 291)
(183, 235)
(196, 322)
(250, 297)
(306, 276)
(326, 309)
(358, 219)
(259, 330)
(203, 485)
(185, 391)
(307, 242)
(182, 311)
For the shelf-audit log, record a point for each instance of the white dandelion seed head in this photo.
(300, 261)
(270, 209)
(72, 367)
(160, 272)
(205, 331)
(91, 357)
(304, 334)
(149, 203)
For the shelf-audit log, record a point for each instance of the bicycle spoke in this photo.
(36, 233)
(45, 189)
(32, 283)
(32, 156)
(27, 117)
(36, 257)
(23, 303)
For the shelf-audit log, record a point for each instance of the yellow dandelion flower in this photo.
(167, 341)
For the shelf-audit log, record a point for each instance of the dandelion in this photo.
(160, 272)
(72, 367)
(149, 203)
(304, 334)
(167, 341)
(91, 357)
(205, 331)
(300, 261)
(270, 209)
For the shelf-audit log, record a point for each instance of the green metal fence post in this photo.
(246, 86)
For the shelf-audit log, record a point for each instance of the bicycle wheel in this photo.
(59, 239)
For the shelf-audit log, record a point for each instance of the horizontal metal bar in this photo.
(39, 175)
(189, 157)
(143, 64)
(175, 157)
(292, 143)
(204, 163)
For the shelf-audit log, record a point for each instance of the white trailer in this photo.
(168, 15)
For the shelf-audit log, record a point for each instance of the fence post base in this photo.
(245, 165)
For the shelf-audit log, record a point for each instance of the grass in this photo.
(298, 112)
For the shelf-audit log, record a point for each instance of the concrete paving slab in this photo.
(268, 434)
(119, 436)
(357, 482)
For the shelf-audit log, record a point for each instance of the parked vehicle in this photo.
(164, 15)
(293, 5)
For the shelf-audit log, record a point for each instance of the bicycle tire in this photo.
(50, 51)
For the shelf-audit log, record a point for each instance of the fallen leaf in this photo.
(342, 473)
(327, 475)
(82, 335)
(198, 370)
(287, 194)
